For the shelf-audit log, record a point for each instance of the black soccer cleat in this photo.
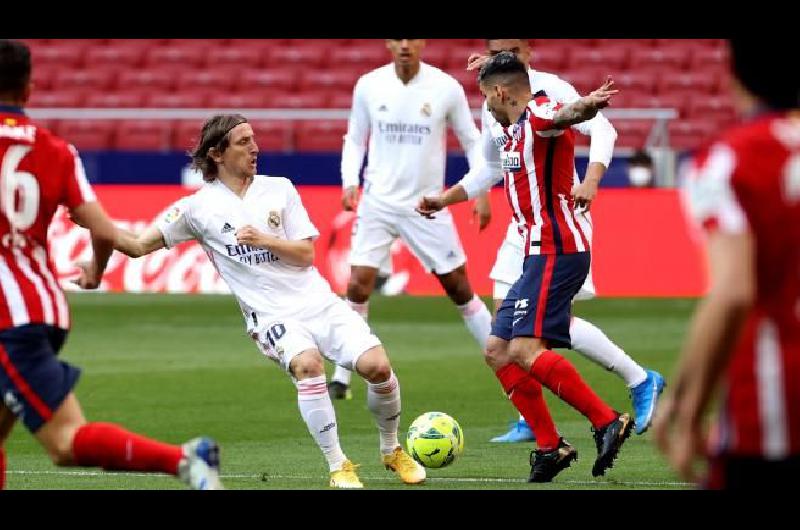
(339, 390)
(545, 466)
(609, 440)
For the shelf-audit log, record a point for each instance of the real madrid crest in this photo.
(426, 110)
(274, 219)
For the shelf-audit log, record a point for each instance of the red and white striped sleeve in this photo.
(708, 193)
(77, 189)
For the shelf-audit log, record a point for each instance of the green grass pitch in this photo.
(176, 366)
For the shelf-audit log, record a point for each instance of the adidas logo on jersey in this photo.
(227, 228)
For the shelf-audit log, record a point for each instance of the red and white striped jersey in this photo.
(38, 172)
(749, 180)
(538, 163)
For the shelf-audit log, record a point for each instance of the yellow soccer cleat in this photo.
(406, 467)
(346, 478)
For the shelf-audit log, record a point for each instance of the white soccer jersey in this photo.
(265, 286)
(406, 126)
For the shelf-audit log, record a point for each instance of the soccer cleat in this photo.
(519, 432)
(345, 477)
(644, 397)
(406, 467)
(609, 440)
(545, 466)
(200, 466)
(339, 390)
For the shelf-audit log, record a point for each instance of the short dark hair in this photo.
(776, 87)
(216, 132)
(504, 68)
(15, 67)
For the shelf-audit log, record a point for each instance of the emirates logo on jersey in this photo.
(274, 219)
(426, 110)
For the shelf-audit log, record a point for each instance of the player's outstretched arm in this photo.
(586, 107)
(430, 205)
(138, 245)
(294, 252)
(91, 215)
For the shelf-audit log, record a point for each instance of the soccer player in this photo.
(536, 151)
(404, 108)
(587, 339)
(743, 190)
(259, 237)
(39, 172)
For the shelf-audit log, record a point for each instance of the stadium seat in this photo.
(694, 44)
(694, 83)
(457, 56)
(437, 57)
(690, 134)
(664, 101)
(43, 76)
(62, 55)
(295, 57)
(234, 56)
(158, 79)
(260, 44)
(709, 58)
(203, 44)
(632, 133)
(713, 108)
(182, 57)
(321, 135)
(137, 43)
(280, 79)
(341, 100)
(306, 100)
(366, 57)
(147, 135)
(87, 135)
(633, 82)
(274, 135)
(192, 100)
(94, 79)
(185, 134)
(211, 79)
(663, 59)
(548, 59)
(241, 100)
(628, 44)
(584, 81)
(129, 56)
(467, 79)
(126, 99)
(61, 98)
(613, 60)
(342, 79)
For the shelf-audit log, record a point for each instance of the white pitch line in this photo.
(368, 478)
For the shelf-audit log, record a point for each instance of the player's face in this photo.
(406, 52)
(240, 157)
(497, 102)
(519, 47)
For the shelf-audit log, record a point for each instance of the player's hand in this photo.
(584, 193)
(429, 206)
(249, 235)
(679, 438)
(601, 97)
(476, 60)
(88, 279)
(350, 199)
(483, 211)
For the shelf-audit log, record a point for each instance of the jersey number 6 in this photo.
(19, 190)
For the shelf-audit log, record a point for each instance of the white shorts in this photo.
(333, 328)
(508, 264)
(434, 242)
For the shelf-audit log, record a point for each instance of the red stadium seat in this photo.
(633, 82)
(709, 58)
(366, 57)
(126, 99)
(696, 83)
(280, 79)
(294, 56)
(211, 79)
(192, 100)
(437, 57)
(342, 79)
(43, 76)
(95, 79)
(341, 100)
(203, 44)
(274, 135)
(149, 135)
(467, 79)
(628, 44)
(241, 100)
(235, 56)
(694, 44)
(548, 59)
(117, 55)
(321, 135)
(137, 43)
(87, 135)
(664, 101)
(61, 98)
(632, 133)
(259, 44)
(613, 60)
(664, 59)
(712, 108)
(458, 56)
(308, 100)
(584, 81)
(158, 79)
(690, 134)
(63, 55)
(186, 134)
(182, 57)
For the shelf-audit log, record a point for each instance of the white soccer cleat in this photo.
(200, 466)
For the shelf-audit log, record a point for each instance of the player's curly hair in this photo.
(504, 64)
(216, 133)
(15, 67)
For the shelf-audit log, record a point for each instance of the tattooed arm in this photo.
(585, 108)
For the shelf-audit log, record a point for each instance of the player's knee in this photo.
(374, 366)
(496, 353)
(358, 290)
(307, 365)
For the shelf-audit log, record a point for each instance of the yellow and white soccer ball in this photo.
(435, 439)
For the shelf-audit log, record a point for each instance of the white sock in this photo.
(343, 375)
(383, 401)
(478, 320)
(317, 411)
(592, 343)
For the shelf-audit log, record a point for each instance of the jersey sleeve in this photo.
(175, 225)
(460, 117)
(297, 223)
(355, 141)
(77, 189)
(708, 193)
(543, 111)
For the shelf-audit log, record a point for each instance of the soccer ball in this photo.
(435, 439)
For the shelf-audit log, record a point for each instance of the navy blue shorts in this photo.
(33, 382)
(539, 303)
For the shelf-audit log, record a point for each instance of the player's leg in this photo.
(436, 244)
(7, 420)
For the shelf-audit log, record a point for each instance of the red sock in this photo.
(526, 394)
(113, 448)
(2, 468)
(558, 374)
